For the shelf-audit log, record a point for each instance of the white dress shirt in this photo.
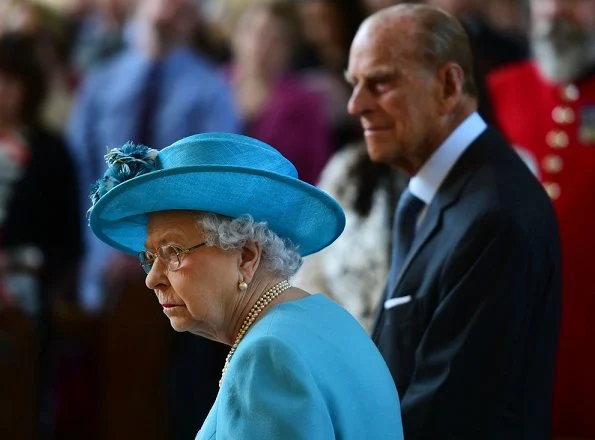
(426, 183)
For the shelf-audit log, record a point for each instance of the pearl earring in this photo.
(243, 286)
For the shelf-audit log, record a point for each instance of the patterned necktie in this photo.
(404, 228)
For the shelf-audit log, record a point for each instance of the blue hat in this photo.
(223, 173)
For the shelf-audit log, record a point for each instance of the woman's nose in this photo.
(156, 276)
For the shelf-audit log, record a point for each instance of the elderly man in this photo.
(469, 321)
(546, 108)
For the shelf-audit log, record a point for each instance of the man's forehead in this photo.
(379, 50)
(381, 27)
(382, 34)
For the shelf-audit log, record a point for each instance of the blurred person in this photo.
(223, 15)
(208, 39)
(52, 35)
(155, 91)
(40, 236)
(218, 261)
(367, 192)
(491, 48)
(273, 101)
(546, 108)
(469, 321)
(328, 26)
(101, 33)
(506, 16)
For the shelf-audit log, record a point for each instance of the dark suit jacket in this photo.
(472, 353)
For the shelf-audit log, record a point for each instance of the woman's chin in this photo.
(182, 324)
(179, 325)
(178, 317)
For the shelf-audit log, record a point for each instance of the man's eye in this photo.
(383, 83)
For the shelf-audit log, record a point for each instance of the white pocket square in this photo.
(394, 302)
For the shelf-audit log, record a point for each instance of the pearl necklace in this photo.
(254, 312)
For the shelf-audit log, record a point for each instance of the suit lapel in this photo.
(447, 195)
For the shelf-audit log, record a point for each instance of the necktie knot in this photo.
(407, 214)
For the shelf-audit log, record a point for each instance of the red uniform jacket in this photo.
(553, 126)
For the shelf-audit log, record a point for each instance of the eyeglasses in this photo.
(169, 254)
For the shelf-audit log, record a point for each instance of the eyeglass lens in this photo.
(168, 254)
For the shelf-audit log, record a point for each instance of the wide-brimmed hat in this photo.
(224, 173)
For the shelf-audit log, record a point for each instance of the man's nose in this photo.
(359, 102)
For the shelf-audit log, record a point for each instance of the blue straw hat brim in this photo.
(293, 209)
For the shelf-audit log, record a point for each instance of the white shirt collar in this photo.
(425, 184)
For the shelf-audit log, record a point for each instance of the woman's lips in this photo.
(171, 309)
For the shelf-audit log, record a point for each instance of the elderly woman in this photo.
(219, 223)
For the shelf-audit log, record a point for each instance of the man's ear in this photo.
(249, 260)
(451, 79)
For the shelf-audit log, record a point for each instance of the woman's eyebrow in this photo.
(170, 237)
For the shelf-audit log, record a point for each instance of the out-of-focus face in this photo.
(563, 37)
(167, 20)
(11, 101)
(321, 22)
(261, 41)
(162, 13)
(18, 17)
(116, 10)
(200, 295)
(393, 95)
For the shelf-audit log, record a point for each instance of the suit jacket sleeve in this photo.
(271, 394)
(465, 361)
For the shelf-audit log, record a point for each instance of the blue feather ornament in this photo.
(125, 163)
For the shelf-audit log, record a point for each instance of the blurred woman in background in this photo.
(40, 241)
(274, 103)
(328, 27)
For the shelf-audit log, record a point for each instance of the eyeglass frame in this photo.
(179, 252)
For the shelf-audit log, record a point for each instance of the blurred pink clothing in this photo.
(294, 120)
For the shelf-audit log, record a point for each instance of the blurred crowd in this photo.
(78, 77)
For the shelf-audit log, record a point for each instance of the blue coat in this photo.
(306, 370)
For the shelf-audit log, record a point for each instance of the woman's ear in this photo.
(451, 78)
(249, 260)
